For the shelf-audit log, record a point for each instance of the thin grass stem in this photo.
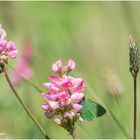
(135, 109)
(23, 104)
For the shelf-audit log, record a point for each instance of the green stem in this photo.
(73, 134)
(135, 108)
(23, 104)
(29, 82)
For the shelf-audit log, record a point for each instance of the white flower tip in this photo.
(131, 40)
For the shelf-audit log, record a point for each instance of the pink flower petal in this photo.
(45, 106)
(11, 46)
(13, 54)
(63, 95)
(51, 87)
(53, 105)
(77, 107)
(65, 83)
(77, 97)
(63, 103)
(54, 79)
(78, 85)
(2, 43)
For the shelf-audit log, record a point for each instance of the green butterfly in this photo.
(91, 110)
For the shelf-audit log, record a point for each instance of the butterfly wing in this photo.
(91, 110)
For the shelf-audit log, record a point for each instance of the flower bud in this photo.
(67, 115)
(45, 106)
(80, 120)
(53, 105)
(57, 120)
(57, 66)
(70, 65)
(11, 45)
(77, 107)
(12, 54)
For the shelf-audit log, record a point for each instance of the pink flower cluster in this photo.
(7, 48)
(65, 93)
(23, 65)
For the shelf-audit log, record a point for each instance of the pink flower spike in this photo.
(7, 49)
(13, 54)
(71, 64)
(57, 66)
(77, 97)
(77, 107)
(65, 95)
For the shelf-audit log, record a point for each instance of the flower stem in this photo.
(23, 104)
(73, 134)
(135, 107)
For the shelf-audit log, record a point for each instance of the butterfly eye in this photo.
(91, 110)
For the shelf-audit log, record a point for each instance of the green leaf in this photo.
(91, 110)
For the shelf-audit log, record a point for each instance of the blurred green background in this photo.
(95, 35)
